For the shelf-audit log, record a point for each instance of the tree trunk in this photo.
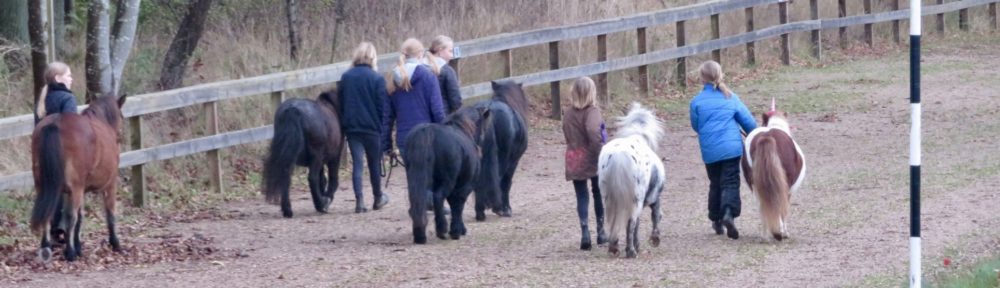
(37, 22)
(294, 39)
(126, 20)
(337, 27)
(14, 21)
(184, 43)
(70, 13)
(59, 31)
(98, 59)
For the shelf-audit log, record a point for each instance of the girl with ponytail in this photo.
(416, 98)
(442, 51)
(720, 117)
(55, 96)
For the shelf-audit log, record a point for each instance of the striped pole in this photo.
(915, 6)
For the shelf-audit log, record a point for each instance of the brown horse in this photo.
(72, 154)
(774, 166)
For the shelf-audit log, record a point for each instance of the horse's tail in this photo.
(488, 190)
(770, 184)
(287, 144)
(52, 172)
(419, 161)
(617, 183)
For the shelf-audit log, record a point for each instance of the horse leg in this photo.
(457, 204)
(440, 222)
(480, 206)
(109, 217)
(654, 237)
(45, 248)
(76, 238)
(71, 211)
(331, 187)
(505, 184)
(630, 247)
(316, 186)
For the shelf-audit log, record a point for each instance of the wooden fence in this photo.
(274, 85)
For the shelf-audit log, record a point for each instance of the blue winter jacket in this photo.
(362, 101)
(422, 104)
(718, 121)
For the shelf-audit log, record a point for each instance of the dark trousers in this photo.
(724, 190)
(582, 201)
(366, 145)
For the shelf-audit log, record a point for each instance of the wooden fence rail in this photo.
(207, 95)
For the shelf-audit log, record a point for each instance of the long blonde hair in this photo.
(51, 71)
(410, 48)
(439, 43)
(365, 54)
(711, 73)
(584, 93)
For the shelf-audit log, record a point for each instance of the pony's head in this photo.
(774, 117)
(108, 109)
(512, 93)
(641, 122)
(475, 122)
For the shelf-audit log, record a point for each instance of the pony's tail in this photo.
(286, 145)
(52, 175)
(615, 182)
(419, 177)
(488, 190)
(770, 185)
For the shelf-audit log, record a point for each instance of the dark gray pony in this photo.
(307, 133)
(502, 149)
(444, 160)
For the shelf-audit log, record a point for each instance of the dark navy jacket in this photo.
(58, 100)
(362, 97)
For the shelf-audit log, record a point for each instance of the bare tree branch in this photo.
(126, 20)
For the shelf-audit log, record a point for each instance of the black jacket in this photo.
(58, 100)
(450, 92)
(362, 97)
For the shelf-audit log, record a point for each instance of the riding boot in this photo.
(717, 226)
(602, 238)
(359, 206)
(381, 201)
(585, 238)
(730, 224)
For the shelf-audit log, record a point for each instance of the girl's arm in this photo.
(743, 116)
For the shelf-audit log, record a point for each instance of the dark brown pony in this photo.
(72, 154)
(774, 167)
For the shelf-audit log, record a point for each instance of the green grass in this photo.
(983, 274)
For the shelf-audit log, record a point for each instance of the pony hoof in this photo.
(70, 255)
(585, 246)
(44, 255)
(286, 214)
(419, 240)
(480, 217)
(655, 241)
(630, 254)
(778, 236)
(613, 249)
(455, 236)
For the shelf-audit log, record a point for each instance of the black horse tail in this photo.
(286, 145)
(488, 187)
(419, 159)
(52, 170)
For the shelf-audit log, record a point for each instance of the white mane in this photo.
(641, 122)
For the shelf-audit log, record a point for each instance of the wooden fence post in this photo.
(602, 79)
(783, 18)
(681, 75)
(895, 23)
(842, 12)
(751, 57)
(963, 19)
(508, 63)
(276, 98)
(214, 162)
(554, 86)
(716, 54)
(940, 19)
(993, 15)
(869, 36)
(643, 70)
(138, 177)
(817, 43)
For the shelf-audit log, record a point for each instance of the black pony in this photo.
(444, 160)
(307, 133)
(502, 149)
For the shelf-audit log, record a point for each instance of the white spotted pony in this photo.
(631, 176)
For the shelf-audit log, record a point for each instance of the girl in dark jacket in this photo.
(362, 103)
(583, 128)
(442, 51)
(416, 98)
(55, 96)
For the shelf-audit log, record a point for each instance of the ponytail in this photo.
(40, 107)
(404, 81)
(432, 62)
(723, 88)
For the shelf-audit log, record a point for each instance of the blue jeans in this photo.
(366, 145)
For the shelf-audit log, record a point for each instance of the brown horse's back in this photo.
(90, 150)
(791, 161)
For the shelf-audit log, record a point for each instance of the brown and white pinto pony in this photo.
(773, 166)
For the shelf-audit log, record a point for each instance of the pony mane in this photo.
(511, 93)
(104, 108)
(641, 122)
(462, 120)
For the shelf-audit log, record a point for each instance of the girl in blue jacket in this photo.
(719, 117)
(55, 96)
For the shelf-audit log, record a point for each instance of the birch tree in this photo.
(108, 48)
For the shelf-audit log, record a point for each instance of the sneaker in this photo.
(382, 201)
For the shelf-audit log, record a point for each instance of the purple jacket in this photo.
(422, 104)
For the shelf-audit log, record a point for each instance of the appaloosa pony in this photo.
(70, 155)
(444, 160)
(307, 133)
(774, 166)
(631, 176)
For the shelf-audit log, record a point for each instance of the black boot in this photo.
(717, 226)
(602, 237)
(728, 221)
(585, 238)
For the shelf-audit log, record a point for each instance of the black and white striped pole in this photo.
(915, 12)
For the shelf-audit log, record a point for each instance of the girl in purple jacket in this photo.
(416, 98)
